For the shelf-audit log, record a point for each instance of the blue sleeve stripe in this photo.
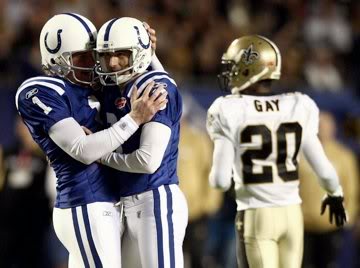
(57, 88)
(153, 74)
(91, 36)
(55, 83)
(143, 81)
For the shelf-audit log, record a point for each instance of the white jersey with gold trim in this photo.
(267, 133)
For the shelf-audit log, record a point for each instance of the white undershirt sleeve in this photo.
(325, 171)
(71, 138)
(147, 159)
(223, 159)
(156, 64)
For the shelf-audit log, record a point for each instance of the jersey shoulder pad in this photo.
(159, 77)
(39, 85)
(215, 122)
(308, 103)
(216, 105)
(312, 121)
(292, 93)
(42, 102)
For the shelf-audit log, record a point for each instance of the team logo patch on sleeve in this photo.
(31, 93)
(210, 119)
(157, 85)
(120, 103)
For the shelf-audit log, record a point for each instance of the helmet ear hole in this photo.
(52, 61)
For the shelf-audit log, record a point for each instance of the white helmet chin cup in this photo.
(119, 35)
(61, 37)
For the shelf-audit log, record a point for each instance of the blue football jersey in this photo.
(116, 104)
(42, 102)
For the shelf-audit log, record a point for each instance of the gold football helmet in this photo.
(249, 59)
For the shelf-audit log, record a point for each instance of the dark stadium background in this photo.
(319, 41)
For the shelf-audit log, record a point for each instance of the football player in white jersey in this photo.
(257, 136)
(54, 108)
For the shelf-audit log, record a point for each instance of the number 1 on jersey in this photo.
(42, 105)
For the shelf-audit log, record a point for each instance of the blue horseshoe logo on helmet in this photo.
(140, 41)
(57, 48)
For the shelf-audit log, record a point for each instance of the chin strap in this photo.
(251, 81)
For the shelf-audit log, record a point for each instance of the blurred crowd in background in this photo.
(320, 45)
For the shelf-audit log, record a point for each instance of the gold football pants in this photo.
(270, 237)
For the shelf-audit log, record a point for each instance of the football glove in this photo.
(336, 208)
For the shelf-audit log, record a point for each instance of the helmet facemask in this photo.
(226, 74)
(116, 38)
(111, 78)
(65, 67)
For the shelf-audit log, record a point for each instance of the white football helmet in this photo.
(63, 36)
(123, 34)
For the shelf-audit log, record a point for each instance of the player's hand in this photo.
(152, 35)
(144, 108)
(336, 209)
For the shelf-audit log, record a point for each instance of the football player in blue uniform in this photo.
(155, 211)
(54, 108)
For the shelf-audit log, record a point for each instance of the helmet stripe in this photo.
(91, 36)
(108, 27)
(277, 52)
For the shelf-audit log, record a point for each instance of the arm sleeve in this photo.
(312, 126)
(315, 155)
(156, 64)
(216, 125)
(147, 159)
(223, 158)
(71, 138)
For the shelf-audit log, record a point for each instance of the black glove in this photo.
(336, 208)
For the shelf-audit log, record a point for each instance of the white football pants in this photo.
(155, 224)
(91, 233)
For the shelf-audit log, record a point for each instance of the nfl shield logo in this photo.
(120, 103)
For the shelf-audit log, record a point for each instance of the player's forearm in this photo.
(139, 161)
(221, 170)
(70, 137)
(156, 64)
(147, 159)
(314, 153)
